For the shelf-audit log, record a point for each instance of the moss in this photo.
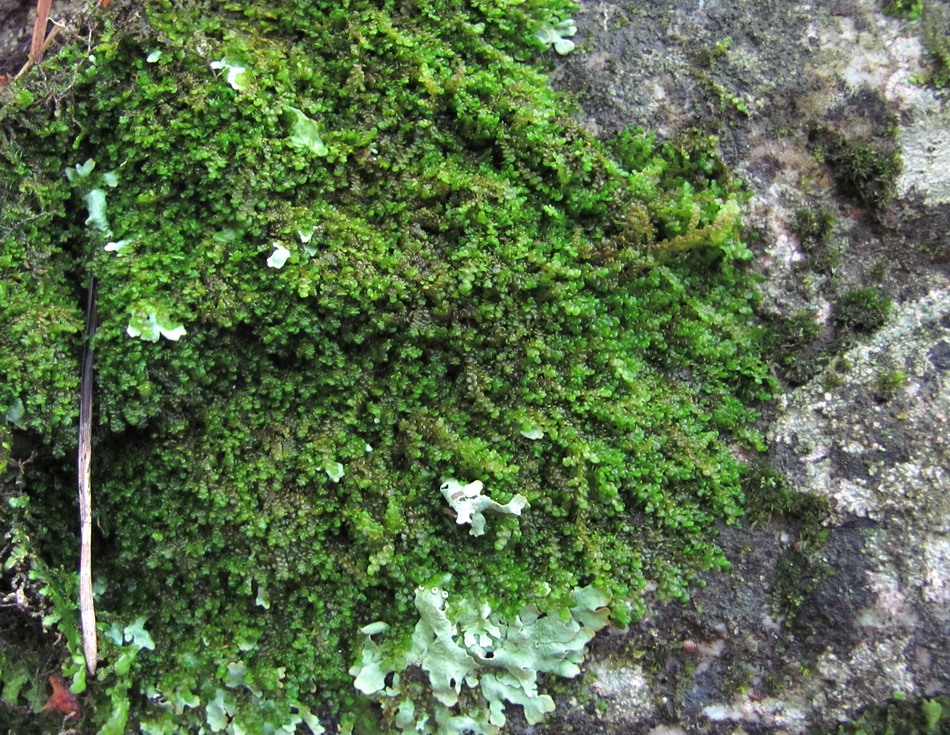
(465, 261)
(935, 30)
(888, 383)
(865, 170)
(801, 567)
(814, 227)
(838, 369)
(792, 348)
(29, 648)
(799, 348)
(878, 271)
(6, 445)
(901, 716)
(861, 310)
(769, 494)
(707, 68)
(910, 9)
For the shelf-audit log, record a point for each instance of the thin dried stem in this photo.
(57, 27)
(87, 612)
(37, 45)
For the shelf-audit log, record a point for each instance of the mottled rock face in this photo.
(14, 34)
(876, 445)
(866, 428)
(879, 455)
(926, 152)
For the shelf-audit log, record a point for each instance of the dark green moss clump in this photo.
(792, 348)
(888, 384)
(910, 9)
(867, 171)
(902, 716)
(861, 310)
(801, 566)
(474, 288)
(814, 227)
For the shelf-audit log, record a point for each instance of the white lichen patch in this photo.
(625, 690)
(878, 666)
(867, 50)
(891, 607)
(470, 505)
(771, 712)
(874, 458)
(925, 151)
(936, 554)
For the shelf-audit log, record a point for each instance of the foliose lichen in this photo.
(498, 660)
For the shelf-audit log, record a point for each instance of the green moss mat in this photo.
(469, 286)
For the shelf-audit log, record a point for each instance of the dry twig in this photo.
(38, 44)
(87, 610)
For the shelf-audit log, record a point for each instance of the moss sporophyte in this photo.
(347, 252)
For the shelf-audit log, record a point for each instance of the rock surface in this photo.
(867, 432)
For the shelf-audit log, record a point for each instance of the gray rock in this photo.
(869, 433)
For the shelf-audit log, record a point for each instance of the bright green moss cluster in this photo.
(475, 289)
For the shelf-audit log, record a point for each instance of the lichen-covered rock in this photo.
(837, 595)
(880, 460)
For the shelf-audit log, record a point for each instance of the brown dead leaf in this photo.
(61, 701)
